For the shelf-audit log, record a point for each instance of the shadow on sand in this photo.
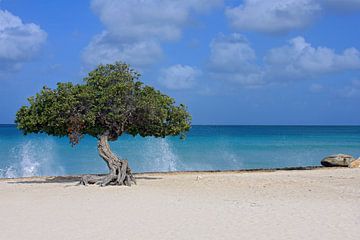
(63, 179)
(140, 176)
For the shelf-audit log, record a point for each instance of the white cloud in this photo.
(300, 59)
(139, 24)
(273, 16)
(134, 19)
(231, 53)
(102, 49)
(233, 59)
(19, 41)
(277, 16)
(178, 77)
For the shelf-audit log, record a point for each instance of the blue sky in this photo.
(230, 62)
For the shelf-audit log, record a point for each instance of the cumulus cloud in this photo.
(300, 59)
(279, 16)
(19, 42)
(230, 53)
(233, 59)
(102, 49)
(179, 77)
(273, 16)
(134, 19)
(136, 28)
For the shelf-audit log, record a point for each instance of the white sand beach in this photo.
(301, 204)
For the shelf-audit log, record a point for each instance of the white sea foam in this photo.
(32, 158)
(8, 172)
(159, 155)
(29, 165)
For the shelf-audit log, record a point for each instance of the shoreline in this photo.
(301, 168)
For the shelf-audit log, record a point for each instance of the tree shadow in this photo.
(56, 179)
(64, 179)
(148, 178)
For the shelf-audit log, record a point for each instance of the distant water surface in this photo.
(205, 148)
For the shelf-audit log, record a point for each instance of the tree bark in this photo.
(119, 170)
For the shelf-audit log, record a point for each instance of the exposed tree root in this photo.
(120, 172)
(108, 179)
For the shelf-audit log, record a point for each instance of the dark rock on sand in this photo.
(339, 160)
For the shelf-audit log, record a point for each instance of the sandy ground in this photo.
(310, 204)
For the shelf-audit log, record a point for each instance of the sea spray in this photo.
(158, 155)
(32, 158)
(8, 172)
(29, 165)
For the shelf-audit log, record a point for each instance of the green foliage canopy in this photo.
(111, 101)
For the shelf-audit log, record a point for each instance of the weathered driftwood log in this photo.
(119, 170)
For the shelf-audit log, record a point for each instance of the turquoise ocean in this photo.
(205, 148)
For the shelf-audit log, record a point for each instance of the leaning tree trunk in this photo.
(119, 170)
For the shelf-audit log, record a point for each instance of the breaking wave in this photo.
(159, 156)
(32, 158)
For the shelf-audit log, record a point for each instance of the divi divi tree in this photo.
(111, 102)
